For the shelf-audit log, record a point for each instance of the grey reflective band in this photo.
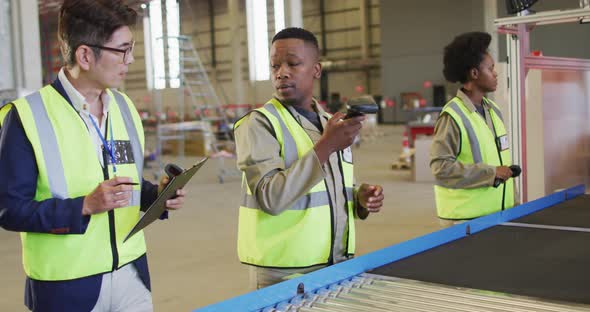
(310, 200)
(131, 132)
(496, 110)
(49, 146)
(135, 197)
(349, 194)
(290, 147)
(475, 149)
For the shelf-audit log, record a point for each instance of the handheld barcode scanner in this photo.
(173, 170)
(516, 170)
(361, 105)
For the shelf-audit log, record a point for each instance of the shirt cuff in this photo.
(360, 212)
(318, 164)
(492, 172)
(79, 222)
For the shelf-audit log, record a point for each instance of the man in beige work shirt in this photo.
(466, 157)
(276, 186)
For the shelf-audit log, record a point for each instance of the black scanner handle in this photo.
(173, 170)
(361, 109)
(516, 170)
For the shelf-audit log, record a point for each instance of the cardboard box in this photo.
(421, 159)
(196, 143)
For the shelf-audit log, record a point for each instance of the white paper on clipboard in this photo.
(158, 207)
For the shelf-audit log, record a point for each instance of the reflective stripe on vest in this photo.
(308, 200)
(51, 153)
(131, 131)
(69, 168)
(473, 141)
(288, 146)
(478, 145)
(301, 235)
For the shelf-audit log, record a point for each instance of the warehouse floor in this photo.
(193, 257)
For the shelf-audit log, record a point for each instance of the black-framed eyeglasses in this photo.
(126, 52)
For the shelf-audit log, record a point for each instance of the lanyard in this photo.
(108, 147)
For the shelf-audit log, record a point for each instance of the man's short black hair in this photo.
(464, 53)
(90, 22)
(297, 33)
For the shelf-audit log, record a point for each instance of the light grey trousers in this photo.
(444, 223)
(263, 277)
(123, 291)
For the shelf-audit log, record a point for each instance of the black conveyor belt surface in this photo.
(542, 263)
(574, 213)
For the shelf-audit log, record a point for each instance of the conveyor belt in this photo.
(573, 213)
(533, 257)
(374, 293)
(539, 262)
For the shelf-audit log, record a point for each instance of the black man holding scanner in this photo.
(299, 201)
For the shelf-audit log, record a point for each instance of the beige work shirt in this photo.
(445, 147)
(276, 188)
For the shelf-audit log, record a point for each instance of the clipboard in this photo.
(158, 207)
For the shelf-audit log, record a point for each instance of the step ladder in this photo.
(205, 108)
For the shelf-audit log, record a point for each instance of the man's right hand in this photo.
(338, 134)
(108, 195)
(503, 173)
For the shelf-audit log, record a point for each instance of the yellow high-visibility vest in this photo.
(300, 236)
(69, 168)
(478, 145)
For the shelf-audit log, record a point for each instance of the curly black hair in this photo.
(465, 52)
(298, 33)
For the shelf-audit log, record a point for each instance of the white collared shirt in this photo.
(83, 108)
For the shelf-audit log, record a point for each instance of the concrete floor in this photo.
(193, 257)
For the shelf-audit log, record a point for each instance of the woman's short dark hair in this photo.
(465, 52)
(90, 22)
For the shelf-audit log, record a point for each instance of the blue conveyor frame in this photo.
(274, 295)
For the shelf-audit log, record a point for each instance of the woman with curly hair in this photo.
(470, 154)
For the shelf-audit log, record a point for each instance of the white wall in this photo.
(6, 54)
(25, 46)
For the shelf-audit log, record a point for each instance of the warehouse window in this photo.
(147, 39)
(156, 49)
(173, 31)
(157, 45)
(258, 59)
(279, 10)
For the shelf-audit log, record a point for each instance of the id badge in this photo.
(347, 155)
(503, 143)
(123, 152)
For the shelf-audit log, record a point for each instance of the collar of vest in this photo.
(56, 84)
(466, 101)
(279, 105)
